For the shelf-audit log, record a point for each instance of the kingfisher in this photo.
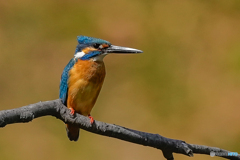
(83, 77)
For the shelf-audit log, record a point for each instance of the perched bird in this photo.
(83, 77)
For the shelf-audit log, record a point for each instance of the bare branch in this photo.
(57, 109)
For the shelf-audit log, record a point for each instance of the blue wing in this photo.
(64, 81)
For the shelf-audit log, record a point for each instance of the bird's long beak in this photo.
(118, 49)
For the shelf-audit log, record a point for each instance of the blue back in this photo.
(64, 81)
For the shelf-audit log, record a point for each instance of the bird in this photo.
(82, 78)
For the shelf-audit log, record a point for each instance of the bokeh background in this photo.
(186, 84)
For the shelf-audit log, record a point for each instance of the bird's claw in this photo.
(72, 111)
(91, 119)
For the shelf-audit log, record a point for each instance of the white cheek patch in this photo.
(79, 54)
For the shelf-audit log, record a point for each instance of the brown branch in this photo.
(57, 109)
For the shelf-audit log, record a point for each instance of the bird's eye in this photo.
(96, 45)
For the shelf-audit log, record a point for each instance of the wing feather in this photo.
(64, 81)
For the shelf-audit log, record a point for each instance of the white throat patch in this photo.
(100, 57)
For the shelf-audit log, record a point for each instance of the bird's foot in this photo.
(91, 119)
(72, 111)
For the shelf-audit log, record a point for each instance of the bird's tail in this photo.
(72, 132)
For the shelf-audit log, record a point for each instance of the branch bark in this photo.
(57, 109)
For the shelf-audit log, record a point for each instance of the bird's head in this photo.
(96, 49)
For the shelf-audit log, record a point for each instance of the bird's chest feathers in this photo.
(84, 84)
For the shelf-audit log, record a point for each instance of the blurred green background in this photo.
(186, 84)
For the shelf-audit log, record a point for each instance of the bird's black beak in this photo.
(118, 49)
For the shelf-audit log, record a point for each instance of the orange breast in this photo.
(84, 84)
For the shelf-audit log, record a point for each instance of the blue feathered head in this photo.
(89, 47)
